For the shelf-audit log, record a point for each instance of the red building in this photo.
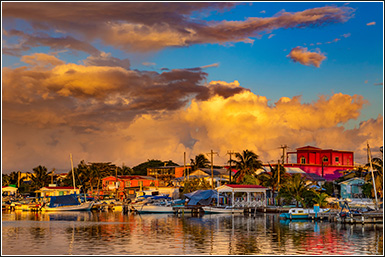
(326, 163)
(126, 184)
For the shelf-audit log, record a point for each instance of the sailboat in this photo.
(67, 202)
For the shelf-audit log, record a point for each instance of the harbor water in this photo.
(115, 233)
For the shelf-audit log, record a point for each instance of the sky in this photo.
(127, 82)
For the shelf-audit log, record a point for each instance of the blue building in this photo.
(351, 188)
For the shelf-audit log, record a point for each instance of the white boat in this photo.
(227, 209)
(301, 213)
(157, 204)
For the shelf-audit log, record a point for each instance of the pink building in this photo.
(326, 163)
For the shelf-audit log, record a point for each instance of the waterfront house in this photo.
(166, 174)
(220, 176)
(126, 185)
(327, 163)
(351, 188)
(9, 190)
(53, 190)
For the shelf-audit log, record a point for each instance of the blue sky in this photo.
(62, 75)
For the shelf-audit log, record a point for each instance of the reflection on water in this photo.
(112, 233)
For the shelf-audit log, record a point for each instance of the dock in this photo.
(363, 218)
(194, 210)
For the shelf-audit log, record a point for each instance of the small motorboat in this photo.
(301, 213)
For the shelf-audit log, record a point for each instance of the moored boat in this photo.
(66, 203)
(301, 213)
(224, 210)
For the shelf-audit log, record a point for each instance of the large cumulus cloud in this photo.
(109, 113)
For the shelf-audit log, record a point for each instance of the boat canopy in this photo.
(63, 200)
(201, 197)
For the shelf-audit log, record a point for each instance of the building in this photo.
(126, 185)
(9, 190)
(327, 163)
(56, 191)
(351, 188)
(165, 174)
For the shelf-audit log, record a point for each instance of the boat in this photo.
(224, 210)
(156, 204)
(301, 213)
(66, 203)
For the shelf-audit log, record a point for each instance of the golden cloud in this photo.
(303, 56)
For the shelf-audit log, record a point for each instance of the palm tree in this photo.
(246, 164)
(294, 188)
(377, 165)
(320, 199)
(273, 179)
(6, 180)
(39, 177)
(200, 162)
(125, 170)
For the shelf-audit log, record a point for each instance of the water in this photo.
(114, 233)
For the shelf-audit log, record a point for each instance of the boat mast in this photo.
(374, 182)
(73, 175)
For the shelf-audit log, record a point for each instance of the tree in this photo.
(246, 164)
(200, 161)
(320, 199)
(270, 179)
(250, 180)
(6, 180)
(295, 188)
(39, 177)
(195, 184)
(141, 169)
(377, 165)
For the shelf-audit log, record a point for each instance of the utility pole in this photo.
(184, 167)
(230, 153)
(278, 169)
(284, 147)
(212, 169)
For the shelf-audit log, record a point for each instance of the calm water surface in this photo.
(114, 233)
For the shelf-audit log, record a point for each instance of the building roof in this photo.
(60, 188)
(308, 147)
(349, 181)
(217, 172)
(313, 177)
(129, 177)
(242, 188)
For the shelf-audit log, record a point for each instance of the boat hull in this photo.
(80, 207)
(209, 209)
(294, 216)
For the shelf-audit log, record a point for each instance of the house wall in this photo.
(331, 169)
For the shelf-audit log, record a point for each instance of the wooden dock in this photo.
(194, 210)
(370, 217)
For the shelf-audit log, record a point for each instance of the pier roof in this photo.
(242, 188)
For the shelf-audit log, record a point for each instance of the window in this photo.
(303, 160)
(337, 159)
